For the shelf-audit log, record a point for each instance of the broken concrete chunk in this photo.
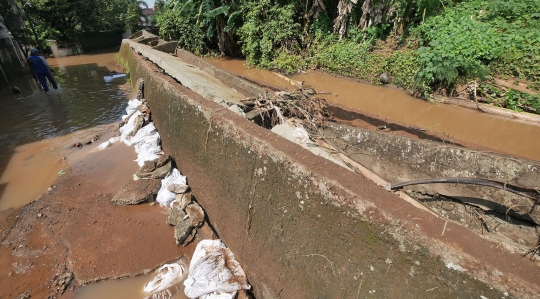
(184, 233)
(144, 108)
(163, 159)
(139, 122)
(148, 166)
(196, 214)
(183, 200)
(176, 215)
(159, 173)
(136, 192)
(178, 188)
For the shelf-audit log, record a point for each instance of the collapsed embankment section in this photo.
(303, 227)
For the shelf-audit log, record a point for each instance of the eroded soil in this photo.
(75, 228)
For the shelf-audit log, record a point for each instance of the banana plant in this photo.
(206, 13)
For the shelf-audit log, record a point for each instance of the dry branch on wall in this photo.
(302, 104)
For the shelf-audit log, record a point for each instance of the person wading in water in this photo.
(41, 69)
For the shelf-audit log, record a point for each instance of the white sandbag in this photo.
(219, 295)
(147, 152)
(108, 143)
(151, 141)
(164, 196)
(132, 106)
(148, 149)
(128, 128)
(143, 133)
(168, 275)
(112, 77)
(209, 273)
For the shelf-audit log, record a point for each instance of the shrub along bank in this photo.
(428, 46)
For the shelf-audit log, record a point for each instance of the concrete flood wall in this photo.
(399, 158)
(303, 227)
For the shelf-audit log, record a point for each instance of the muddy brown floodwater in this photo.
(74, 226)
(494, 132)
(38, 128)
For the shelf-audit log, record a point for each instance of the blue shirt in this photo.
(39, 64)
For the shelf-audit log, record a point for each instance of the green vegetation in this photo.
(64, 20)
(427, 46)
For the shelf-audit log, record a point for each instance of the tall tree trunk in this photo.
(342, 21)
(401, 21)
(374, 12)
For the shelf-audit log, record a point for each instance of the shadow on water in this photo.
(82, 101)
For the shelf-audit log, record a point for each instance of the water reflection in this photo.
(83, 100)
(34, 126)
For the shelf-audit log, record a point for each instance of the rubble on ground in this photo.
(136, 192)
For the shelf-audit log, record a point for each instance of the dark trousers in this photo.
(42, 77)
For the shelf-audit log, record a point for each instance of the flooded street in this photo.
(37, 133)
(497, 133)
(38, 128)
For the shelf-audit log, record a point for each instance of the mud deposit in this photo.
(76, 229)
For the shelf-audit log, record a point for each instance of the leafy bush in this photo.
(352, 59)
(189, 36)
(289, 63)
(477, 36)
(267, 29)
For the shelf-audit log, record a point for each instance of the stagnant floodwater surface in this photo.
(500, 134)
(38, 128)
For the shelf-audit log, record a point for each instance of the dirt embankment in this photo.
(74, 234)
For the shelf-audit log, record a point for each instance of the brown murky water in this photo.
(472, 126)
(131, 288)
(37, 129)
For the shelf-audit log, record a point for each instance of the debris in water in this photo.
(94, 139)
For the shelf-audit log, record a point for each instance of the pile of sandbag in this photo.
(213, 273)
(137, 130)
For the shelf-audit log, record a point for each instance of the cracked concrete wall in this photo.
(303, 227)
(246, 88)
(399, 159)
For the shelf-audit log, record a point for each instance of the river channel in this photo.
(494, 132)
